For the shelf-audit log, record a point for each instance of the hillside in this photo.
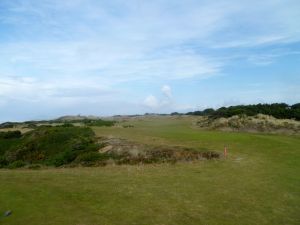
(258, 123)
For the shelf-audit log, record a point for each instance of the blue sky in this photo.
(97, 57)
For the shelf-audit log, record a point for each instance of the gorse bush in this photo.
(3, 162)
(66, 125)
(10, 134)
(88, 158)
(62, 158)
(99, 123)
(16, 164)
(47, 145)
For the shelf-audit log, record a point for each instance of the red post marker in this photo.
(225, 151)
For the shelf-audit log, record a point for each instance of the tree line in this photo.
(277, 110)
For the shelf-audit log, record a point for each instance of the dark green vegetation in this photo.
(258, 183)
(46, 145)
(82, 121)
(10, 134)
(99, 123)
(6, 125)
(277, 110)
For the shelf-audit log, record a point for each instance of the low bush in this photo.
(10, 134)
(7, 125)
(34, 166)
(48, 145)
(63, 158)
(88, 157)
(66, 125)
(99, 123)
(16, 164)
(3, 162)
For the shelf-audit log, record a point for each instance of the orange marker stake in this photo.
(225, 152)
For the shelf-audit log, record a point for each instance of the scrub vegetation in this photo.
(277, 110)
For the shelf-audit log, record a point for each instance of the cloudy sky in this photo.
(134, 56)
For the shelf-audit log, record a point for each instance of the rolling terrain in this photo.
(258, 182)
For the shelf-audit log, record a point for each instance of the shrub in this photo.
(3, 162)
(99, 123)
(63, 158)
(92, 147)
(83, 143)
(88, 157)
(34, 166)
(7, 125)
(53, 146)
(16, 164)
(10, 134)
(66, 125)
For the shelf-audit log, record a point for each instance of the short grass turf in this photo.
(257, 184)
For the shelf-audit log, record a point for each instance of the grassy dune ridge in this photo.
(257, 184)
(258, 123)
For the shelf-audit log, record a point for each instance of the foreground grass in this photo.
(257, 184)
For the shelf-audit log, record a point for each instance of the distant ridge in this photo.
(78, 117)
(277, 110)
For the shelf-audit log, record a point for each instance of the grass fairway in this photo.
(257, 184)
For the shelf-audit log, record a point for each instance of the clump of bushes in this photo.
(128, 126)
(277, 110)
(34, 166)
(63, 158)
(10, 134)
(52, 146)
(66, 125)
(16, 164)
(3, 162)
(89, 158)
(7, 125)
(99, 123)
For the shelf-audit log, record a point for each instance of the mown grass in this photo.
(257, 184)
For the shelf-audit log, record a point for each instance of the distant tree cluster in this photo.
(99, 123)
(277, 110)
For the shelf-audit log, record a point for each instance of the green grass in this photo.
(257, 184)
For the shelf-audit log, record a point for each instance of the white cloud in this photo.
(167, 91)
(133, 40)
(76, 51)
(252, 41)
(108, 60)
(34, 89)
(151, 102)
(165, 103)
